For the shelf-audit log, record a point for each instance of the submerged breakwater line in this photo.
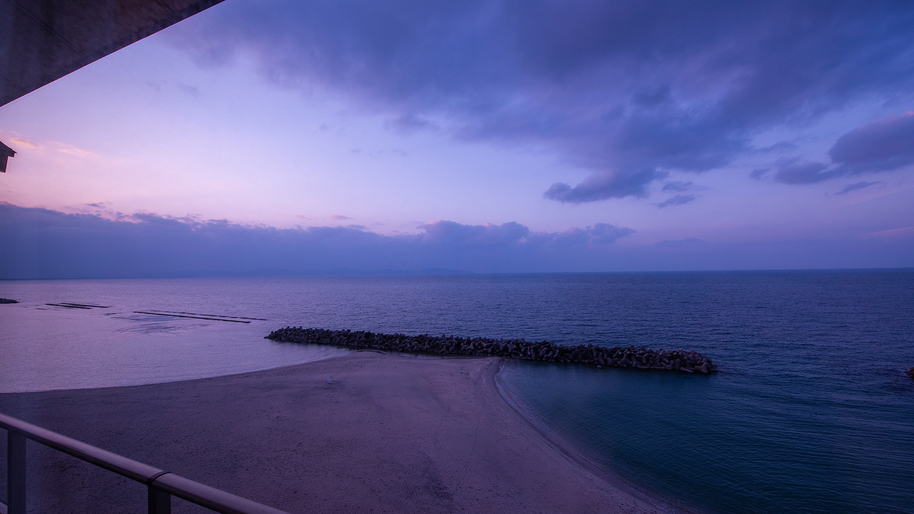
(599, 356)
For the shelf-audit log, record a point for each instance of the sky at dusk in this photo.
(483, 136)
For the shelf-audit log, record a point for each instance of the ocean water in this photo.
(810, 412)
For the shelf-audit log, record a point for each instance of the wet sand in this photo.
(388, 433)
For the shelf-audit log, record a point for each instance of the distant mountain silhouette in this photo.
(336, 272)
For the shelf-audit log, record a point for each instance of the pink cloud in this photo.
(24, 142)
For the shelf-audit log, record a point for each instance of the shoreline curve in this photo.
(562, 445)
(358, 432)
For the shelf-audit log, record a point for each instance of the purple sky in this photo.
(486, 136)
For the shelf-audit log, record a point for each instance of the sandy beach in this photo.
(366, 432)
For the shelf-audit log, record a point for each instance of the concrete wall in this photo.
(43, 40)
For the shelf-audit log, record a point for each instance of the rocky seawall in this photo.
(599, 356)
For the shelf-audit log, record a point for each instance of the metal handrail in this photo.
(161, 484)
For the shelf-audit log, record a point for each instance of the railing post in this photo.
(159, 501)
(15, 472)
(161, 485)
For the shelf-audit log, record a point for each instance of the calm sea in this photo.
(810, 412)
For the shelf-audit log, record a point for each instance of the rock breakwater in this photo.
(599, 356)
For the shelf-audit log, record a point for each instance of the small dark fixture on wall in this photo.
(5, 153)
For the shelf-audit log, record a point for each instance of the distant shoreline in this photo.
(440, 272)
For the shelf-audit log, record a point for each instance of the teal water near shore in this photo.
(810, 411)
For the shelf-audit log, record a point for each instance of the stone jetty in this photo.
(599, 356)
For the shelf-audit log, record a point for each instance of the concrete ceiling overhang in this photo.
(43, 40)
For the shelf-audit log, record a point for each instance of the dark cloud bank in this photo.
(38, 243)
(883, 145)
(630, 90)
